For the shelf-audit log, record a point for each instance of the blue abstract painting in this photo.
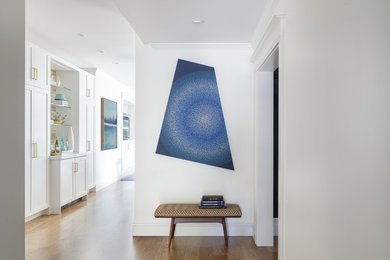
(194, 127)
(109, 124)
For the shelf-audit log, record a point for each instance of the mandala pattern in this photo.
(193, 127)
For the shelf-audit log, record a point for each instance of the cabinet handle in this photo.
(88, 92)
(89, 145)
(77, 167)
(35, 150)
(34, 73)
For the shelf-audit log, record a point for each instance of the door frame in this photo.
(269, 53)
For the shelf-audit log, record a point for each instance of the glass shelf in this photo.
(57, 87)
(60, 124)
(55, 105)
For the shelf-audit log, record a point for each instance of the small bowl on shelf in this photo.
(59, 122)
(60, 97)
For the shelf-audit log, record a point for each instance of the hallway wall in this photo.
(12, 37)
(163, 179)
(108, 163)
(335, 82)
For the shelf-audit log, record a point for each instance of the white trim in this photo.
(266, 42)
(265, 19)
(192, 229)
(38, 213)
(263, 89)
(201, 45)
(276, 220)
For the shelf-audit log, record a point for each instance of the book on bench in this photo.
(212, 198)
(212, 207)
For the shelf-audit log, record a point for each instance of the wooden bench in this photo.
(191, 213)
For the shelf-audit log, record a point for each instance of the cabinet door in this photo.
(79, 177)
(90, 145)
(89, 126)
(40, 65)
(90, 172)
(39, 115)
(67, 168)
(82, 127)
(90, 86)
(83, 85)
(28, 65)
(27, 151)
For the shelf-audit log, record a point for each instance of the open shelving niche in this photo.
(69, 79)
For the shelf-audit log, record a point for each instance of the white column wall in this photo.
(12, 129)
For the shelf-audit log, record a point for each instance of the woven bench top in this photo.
(193, 211)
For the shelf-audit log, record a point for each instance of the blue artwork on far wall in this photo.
(194, 127)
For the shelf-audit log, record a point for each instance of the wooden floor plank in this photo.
(100, 229)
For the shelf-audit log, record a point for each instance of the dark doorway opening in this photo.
(276, 142)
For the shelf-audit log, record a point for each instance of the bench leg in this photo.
(225, 231)
(171, 231)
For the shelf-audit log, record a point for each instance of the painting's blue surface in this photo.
(109, 137)
(110, 113)
(193, 127)
(110, 124)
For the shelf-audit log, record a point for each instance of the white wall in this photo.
(12, 129)
(334, 66)
(128, 148)
(108, 163)
(163, 179)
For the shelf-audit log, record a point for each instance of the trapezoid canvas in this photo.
(194, 127)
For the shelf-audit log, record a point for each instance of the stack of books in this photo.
(212, 202)
(60, 102)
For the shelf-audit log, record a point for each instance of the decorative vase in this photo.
(70, 139)
(58, 81)
(62, 146)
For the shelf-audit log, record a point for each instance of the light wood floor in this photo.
(100, 228)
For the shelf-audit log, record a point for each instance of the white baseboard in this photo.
(192, 229)
(100, 186)
(35, 215)
(276, 232)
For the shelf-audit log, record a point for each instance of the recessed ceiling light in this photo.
(80, 34)
(197, 21)
(100, 51)
(116, 63)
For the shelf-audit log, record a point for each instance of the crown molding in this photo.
(200, 45)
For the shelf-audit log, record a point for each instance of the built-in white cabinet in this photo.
(90, 87)
(36, 66)
(87, 86)
(66, 168)
(36, 150)
(79, 177)
(27, 152)
(68, 180)
(53, 181)
(90, 172)
(90, 112)
(86, 123)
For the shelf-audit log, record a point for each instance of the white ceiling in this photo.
(170, 21)
(54, 25)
